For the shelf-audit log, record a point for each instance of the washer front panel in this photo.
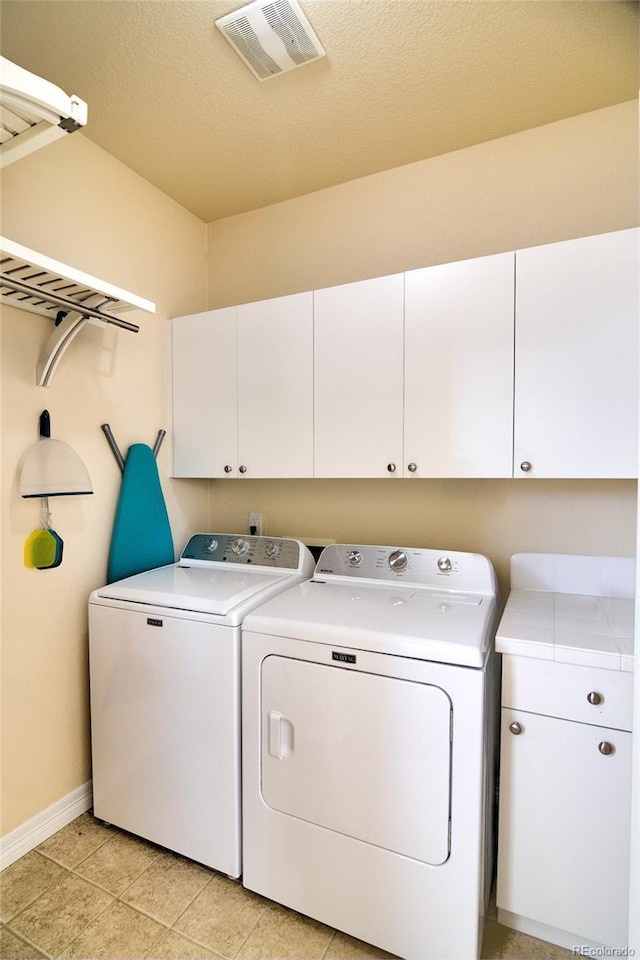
(165, 730)
(339, 750)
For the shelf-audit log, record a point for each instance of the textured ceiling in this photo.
(403, 80)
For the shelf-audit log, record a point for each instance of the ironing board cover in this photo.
(141, 537)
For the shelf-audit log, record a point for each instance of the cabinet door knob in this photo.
(228, 468)
(391, 467)
(515, 728)
(605, 748)
(594, 697)
(242, 468)
(526, 466)
(412, 467)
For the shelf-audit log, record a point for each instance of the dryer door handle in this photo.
(280, 735)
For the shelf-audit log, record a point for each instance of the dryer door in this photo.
(363, 755)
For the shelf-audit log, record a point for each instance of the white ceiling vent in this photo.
(271, 36)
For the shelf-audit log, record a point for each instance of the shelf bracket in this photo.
(56, 346)
(34, 282)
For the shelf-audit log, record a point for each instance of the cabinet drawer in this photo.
(562, 690)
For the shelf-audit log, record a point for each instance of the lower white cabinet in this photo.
(565, 798)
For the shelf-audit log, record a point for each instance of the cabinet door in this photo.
(563, 848)
(458, 416)
(275, 387)
(576, 373)
(205, 394)
(358, 378)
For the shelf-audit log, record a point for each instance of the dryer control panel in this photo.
(432, 569)
(278, 552)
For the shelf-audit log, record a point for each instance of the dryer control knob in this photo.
(444, 564)
(272, 550)
(240, 546)
(354, 558)
(398, 560)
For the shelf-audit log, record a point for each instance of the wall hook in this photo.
(111, 440)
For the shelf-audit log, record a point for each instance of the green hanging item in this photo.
(50, 468)
(43, 548)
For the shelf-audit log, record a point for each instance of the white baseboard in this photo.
(31, 833)
(570, 941)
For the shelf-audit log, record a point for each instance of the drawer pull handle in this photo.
(228, 468)
(391, 467)
(515, 728)
(526, 466)
(594, 697)
(605, 748)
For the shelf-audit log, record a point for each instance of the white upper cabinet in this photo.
(458, 410)
(412, 375)
(358, 343)
(205, 394)
(576, 358)
(275, 387)
(243, 390)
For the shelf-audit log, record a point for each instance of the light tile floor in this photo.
(93, 891)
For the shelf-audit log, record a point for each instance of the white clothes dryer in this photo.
(164, 652)
(369, 722)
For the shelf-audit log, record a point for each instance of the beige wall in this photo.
(74, 202)
(571, 178)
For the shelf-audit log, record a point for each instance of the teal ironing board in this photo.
(141, 532)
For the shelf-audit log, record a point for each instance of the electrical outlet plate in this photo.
(255, 520)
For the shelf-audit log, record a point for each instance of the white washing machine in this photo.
(369, 721)
(165, 691)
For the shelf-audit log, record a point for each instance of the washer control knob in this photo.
(228, 468)
(240, 546)
(526, 466)
(594, 698)
(272, 550)
(210, 545)
(354, 558)
(398, 560)
(515, 728)
(444, 564)
(605, 748)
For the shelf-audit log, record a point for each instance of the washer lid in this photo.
(206, 589)
(438, 625)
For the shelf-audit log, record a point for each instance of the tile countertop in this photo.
(570, 609)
